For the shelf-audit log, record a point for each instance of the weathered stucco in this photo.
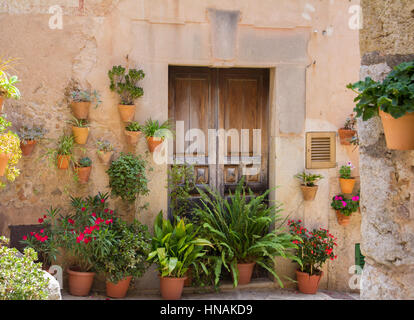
(281, 35)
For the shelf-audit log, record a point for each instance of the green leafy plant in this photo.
(80, 123)
(126, 84)
(345, 171)
(84, 162)
(176, 247)
(64, 145)
(314, 247)
(31, 133)
(86, 96)
(127, 177)
(344, 205)
(133, 126)
(239, 226)
(127, 252)
(10, 144)
(153, 128)
(394, 95)
(20, 277)
(308, 179)
(104, 146)
(7, 86)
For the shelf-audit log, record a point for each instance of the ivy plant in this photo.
(127, 177)
(126, 83)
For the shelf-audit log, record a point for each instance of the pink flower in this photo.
(344, 204)
(356, 198)
(43, 230)
(111, 212)
(45, 216)
(31, 233)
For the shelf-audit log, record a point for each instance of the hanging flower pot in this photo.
(343, 220)
(245, 272)
(347, 185)
(171, 288)
(83, 174)
(132, 136)
(80, 283)
(81, 134)
(105, 157)
(80, 109)
(63, 161)
(27, 146)
(307, 283)
(119, 289)
(345, 136)
(153, 143)
(4, 159)
(309, 193)
(399, 133)
(127, 112)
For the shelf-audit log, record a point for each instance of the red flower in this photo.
(83, 209)
(24, 237)
(102, 200)
(106, 210)
(31, 233)
(111, 212)
(45, 216)
(93, 214)
(40, 220)
(71, 221)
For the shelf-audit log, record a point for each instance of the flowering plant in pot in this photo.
(126, 85)
(81, 102)
(29, 136)
(239, 227)
(44, 242)
(132, 131)
(7, 87)
(344, 208)
(156, 133)
(125, 257)
(62, 153)
(10, 152)
(314, 249)
(80, 130)
(308, 186)
(175, 247)
(346, 181)
(105, 151)
(83, 169)
(348, 131)
(81, 234)
(391, 99)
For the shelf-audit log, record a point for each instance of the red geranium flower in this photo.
(24, 237)
(40, 220)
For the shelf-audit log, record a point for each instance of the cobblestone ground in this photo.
(258, 294)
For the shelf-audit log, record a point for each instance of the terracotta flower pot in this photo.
(347, 185)
(399, 133)
(63, 161)
(27, 147)
(4, 159)
(171, 288)
(80, 109)
(189, 280)
(80, 283)
(132, 136)
(127, 112)
(153, 143)
(309, 193)
(345, 136)
(1, 103)
(306, 283)
(343, 220)
(119, 289)
(105, 157)
(81, 134)
(83, 174)
(245, 272)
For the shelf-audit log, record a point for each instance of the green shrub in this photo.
(20, 277)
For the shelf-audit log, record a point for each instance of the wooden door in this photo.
(233, 104)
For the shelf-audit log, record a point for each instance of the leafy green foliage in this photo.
(20, 277)
(29, 133)
(84, 162)
(86, 96)
(64, 145)
(394, 95)
(345, 171)
(314, 247)
(125, 84)
(127, 177)
(344, 205)
(7, 86)
(153, 128)
(239, 229)
(176, 247)
(10, 144)
(133, 126)
(308, 179)
(80, 123)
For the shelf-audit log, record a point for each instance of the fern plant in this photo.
(126, 84)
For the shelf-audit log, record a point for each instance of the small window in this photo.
(320, 150)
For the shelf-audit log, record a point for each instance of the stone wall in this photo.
(387, 177)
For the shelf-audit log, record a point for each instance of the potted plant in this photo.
(10, 152)
(127, 177)
(308, 186)
(344, 208)
(348, 131)
(126, 85)
(105, 151)
(83, 169)
(156, 133)
(124, 256)
(81, 234)
(80, 129)
(132, 131)
(346, 181)
(391, 99)
(62, 154)
(29, 137)
(174, 249)
(239, 227)
(8, 88)
(314, 249)
(81, 102)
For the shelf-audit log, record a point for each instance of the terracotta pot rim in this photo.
(305, 186)
(156, 138)
(80, 273)
(173, 278)
(76, 167)
(126, 105)
(246, 263)
(343, 129)
(314, 275)
(130, 131)
(352, 178)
